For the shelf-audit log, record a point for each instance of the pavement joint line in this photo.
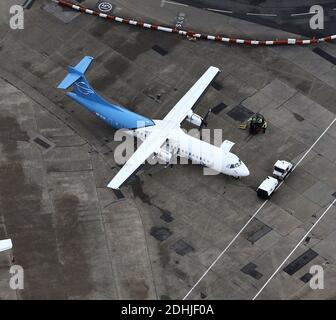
(256, 212)
(191, 35)
(298, 244)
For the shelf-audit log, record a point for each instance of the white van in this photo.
(267, 187)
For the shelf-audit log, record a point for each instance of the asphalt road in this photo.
(288, 15)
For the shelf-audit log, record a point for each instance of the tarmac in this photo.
(77, 239)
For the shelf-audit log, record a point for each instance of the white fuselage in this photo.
(200, 152)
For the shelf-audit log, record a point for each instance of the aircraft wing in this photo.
(152, 143)
(158, 136)
(182, 108)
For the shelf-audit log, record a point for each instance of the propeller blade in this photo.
(204, 122)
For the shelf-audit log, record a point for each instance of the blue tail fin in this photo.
(75, 73)
(115, 115)
(82, 89)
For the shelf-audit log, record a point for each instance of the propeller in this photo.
(204, 122)
(170, 163)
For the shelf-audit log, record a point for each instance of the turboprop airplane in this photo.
(162, 138)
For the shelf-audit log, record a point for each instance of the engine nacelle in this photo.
(194, 119)
(164, 156)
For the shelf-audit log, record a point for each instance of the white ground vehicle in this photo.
(281, 169)
(267, 187)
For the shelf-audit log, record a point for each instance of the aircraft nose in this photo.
(244, 171)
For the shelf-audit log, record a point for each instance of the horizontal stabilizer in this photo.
(68, 81)
(227, 145)
(75, 73)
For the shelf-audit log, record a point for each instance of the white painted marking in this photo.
(261, 14)
(218, 10)
(163, 2)
(27, 3)
(226, 248)
(314, 144)
(254, 215)
(303, 238)
(302, 14)
(105, 7)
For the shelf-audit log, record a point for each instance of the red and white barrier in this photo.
(191, 34)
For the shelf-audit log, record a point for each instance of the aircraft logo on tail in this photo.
(84, 88)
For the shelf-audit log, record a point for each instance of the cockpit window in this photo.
(280, 170)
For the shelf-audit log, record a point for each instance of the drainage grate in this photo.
(300, 261)
(159, 50)
(220, 107)
(240, 113)
(42, 143)
(255, 236)
(166, 216)
(160, 234)
(118, 194)
(325, 55)
(250, 269)
(306, 277)
(181, 247)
